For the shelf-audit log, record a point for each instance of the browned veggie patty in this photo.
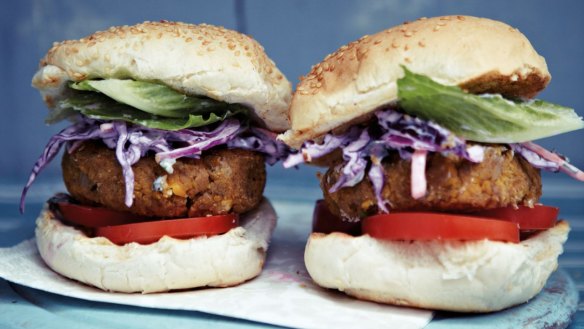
(454, 184)
(221, 181)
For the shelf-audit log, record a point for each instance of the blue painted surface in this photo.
(295, 34)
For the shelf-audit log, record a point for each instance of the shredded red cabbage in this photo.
(366, 147)
(132, 142)
(539, 157)
(535, 159)
(263, 141)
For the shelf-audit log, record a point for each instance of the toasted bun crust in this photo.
(478, 54)
(479, 276)
(195, 59)
(216, 261)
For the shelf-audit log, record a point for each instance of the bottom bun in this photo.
(215, 261)
(473, 276)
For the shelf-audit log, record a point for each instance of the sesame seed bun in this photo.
(472, 276)
(195, 59)
(480, 55)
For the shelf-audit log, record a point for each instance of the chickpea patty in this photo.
(222, 181)
(454, 184)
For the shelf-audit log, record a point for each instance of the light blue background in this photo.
(295, 34)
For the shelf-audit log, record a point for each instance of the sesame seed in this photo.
(436, 28)
(421, 44)
(395, 45)
(377, 42)
(408, 34)
(406, 47)
(408, 60)
(460, 18)
(441, 24)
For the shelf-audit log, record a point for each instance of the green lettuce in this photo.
(483, 118)
(100, 107)
(150, 97)
(144, 103)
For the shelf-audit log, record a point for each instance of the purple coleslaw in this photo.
(132, 142)
(365, 147)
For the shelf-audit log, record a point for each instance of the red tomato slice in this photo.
(94, 216)
(438, 226)
(539, 217)
(323, 221)
(149, 232)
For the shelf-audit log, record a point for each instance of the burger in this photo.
(171, 127)
(431, 197)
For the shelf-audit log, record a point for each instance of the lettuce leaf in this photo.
(150, 97)
(483, 118)
(100, 107)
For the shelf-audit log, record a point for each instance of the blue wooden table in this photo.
(23, 307)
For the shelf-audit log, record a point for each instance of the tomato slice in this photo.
(93, 217)
(152, 231)
(323, 221)
(438, 226)
(539, 217)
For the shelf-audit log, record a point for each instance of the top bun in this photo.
(480, 55)
(195, 59)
